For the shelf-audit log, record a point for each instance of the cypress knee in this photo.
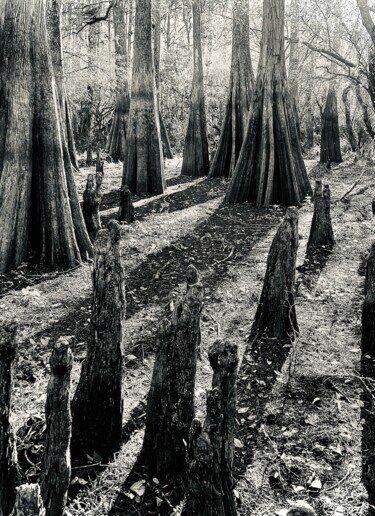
(368, 311)
(56, 466)
(28, 501)
(126, 212)
(8, 453)
(211, 447)
(276, 312)
(321, 232)
(92, 197)
(98, 402)
(170, 407)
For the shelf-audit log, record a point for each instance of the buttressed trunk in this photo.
(270, 168)
(238, 101)
(143, 169)
(330, 138)
(38, 198)
(196, 160)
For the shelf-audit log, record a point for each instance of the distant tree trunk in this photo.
(56, 467)
(92, 197)
(238, 101)
(28, 501)
(330, 148)
(370, 27)
(55, 40)
(309, 120)
(211, 448)
(270, 168)
(348, 119)
(8, 452)
(126, 211)
(117, 135)
(157, 37)
(130, 34)
(143, 169)
(321, 232)
(368, 311)
(276, 313)
(365, 112)
(98, 401)
(39, 206)
(170, 408)
(196, 159)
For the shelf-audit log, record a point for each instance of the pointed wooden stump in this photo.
(56, 465)
(211, 447)
(126, 211)
(92, 197)
(321, 232)
(8, 452)
(276, 312)
(368, 311)
(170, 408)
(28, 501)
(98, 401)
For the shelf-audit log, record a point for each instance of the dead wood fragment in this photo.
(126, 210)
(92, 197)
(28, 501)
(321, 232)
(368, 311)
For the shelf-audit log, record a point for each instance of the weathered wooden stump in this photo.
(368, 311)
(301, 508)
(211, 447)
(170, 406)
(56, 465)
(92, 197)
(276, 312)
(126, 211)
(321, 232)
(28, 501)
(8, 452)
(98, 401)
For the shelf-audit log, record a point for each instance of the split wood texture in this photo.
(211, 447)
(28, 501)
(276, 311)
(321, 232)
(368, 311)
(8, 453)
(92, 197)
(56, 464)
(170, 408)
(126, 211)
(98, 402)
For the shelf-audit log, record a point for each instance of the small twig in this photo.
(353, 186)
(216, 322)
(339, 482)
(69, 270)
(161, 270)
(227, 258)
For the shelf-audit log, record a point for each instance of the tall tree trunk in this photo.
(39, 206)
(348, 119)
(238, 101)
(55, 41)
(330, 148)
(167, 151)
(309, 120)
(270, 168)
(117, 135)
(196, 160)
(294, 58)
(143, 169)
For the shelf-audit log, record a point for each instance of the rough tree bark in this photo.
(117, 135)
(92, 197)
(28, 501)
(276, 313)
(369, 25)
(321, 232)
(211, 448)
(126, 211)
(367, 119)
(56, 466)
(309, 120)
(170, 406)
(368, 311)
(270, 168)
(348, 119)
(294, 57)
(55, 41)
(39, 206)
(239, 96)
(167, 150)
(8, 452)
(196, 160)
(330, 138)
(143, 169)
(98, 401)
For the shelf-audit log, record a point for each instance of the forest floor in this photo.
(304, 416)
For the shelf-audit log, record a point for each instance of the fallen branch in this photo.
(227, 258)
(353, 186)
(158, 274)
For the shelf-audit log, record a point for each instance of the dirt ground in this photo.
(305, 413)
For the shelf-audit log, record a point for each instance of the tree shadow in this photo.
(368, 429)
